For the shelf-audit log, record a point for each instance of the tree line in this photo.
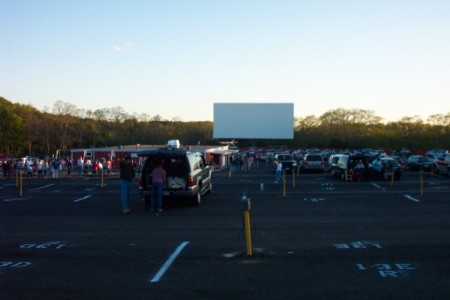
(24, 130)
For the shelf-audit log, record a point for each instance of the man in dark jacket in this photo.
(126, 179)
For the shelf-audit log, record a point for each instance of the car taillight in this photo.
(190, 181)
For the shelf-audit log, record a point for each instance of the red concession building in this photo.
(215, 155)
(115, 154)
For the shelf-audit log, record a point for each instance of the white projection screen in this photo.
(253, 121)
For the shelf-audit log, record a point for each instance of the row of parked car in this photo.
(360, 165)
(189, 176)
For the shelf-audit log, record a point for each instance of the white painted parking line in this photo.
(42, 187)
(169, 261)
(412, 198)
(83, 198)
(378, 187)
(14, 199)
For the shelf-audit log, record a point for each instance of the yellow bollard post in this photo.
(284, 184)
(102, 179)
(245, 207)
(421, 183)
(392, 178)
(248, 232)
(20, 185)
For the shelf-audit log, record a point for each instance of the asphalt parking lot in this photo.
(320, 239)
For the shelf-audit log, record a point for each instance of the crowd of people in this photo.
(53, 167)
(243, 161)
(98, 166)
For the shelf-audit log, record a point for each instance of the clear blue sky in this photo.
(176, 58)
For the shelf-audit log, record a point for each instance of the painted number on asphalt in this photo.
(358, 245)
(328, 187)
(315, 200)
(55, 245)
(388, 270)
(12, 264)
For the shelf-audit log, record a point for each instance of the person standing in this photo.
(126, 180)
(8, 168)
(100, 167)
(45, 167)
(80, 163)
(4, 169)
(361, 170)
(55, 168)
(69, 166)
(35, 167)
(250, 162)
(278, 172)
(89, 166)
(158, 180)
(377, 167)
(40, 167)
(95, 167)
(108, 166)
(29, 167)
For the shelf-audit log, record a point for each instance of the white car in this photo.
(435, 153)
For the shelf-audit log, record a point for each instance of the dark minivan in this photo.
(188, 175)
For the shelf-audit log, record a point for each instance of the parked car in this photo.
(389, 165)
(332, 162)
(400, 160)
(312, 162)
(443, 164)
(370, 152)
(288, 162)
(188, 176)
(420, 162)
(346, 167)
(404, 152)
(435, 153)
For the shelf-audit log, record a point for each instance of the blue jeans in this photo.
(80, 169)
(362, 174)
(156, 196)
(125, 192)
(278, 176)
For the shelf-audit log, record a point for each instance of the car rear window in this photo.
(314, 158)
